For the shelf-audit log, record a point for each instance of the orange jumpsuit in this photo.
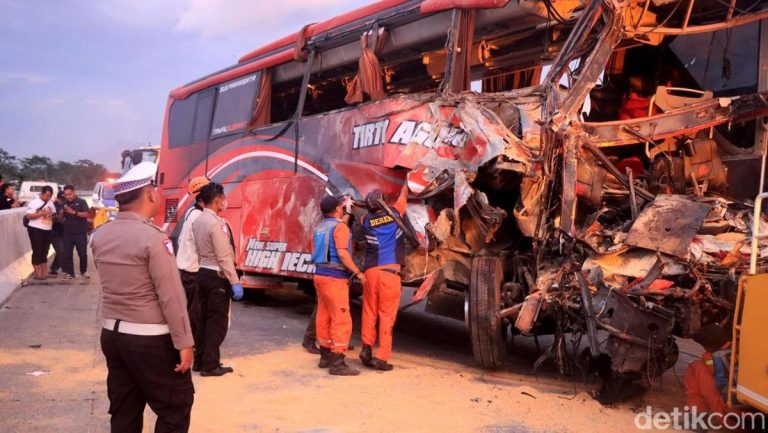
(381, 300)
(700, 388)
(334, 323)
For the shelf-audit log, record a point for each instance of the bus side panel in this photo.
(184, 164)
(278, 218)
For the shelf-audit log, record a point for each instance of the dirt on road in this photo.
(52, 377)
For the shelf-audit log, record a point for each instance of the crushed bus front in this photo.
(584, 190)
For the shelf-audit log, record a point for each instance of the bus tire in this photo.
(486, 329)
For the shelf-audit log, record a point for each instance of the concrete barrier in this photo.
(15, 251)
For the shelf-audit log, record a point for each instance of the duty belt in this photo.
(145, 329)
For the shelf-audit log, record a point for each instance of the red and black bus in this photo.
(511, 121)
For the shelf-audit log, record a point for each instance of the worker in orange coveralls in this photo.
(384, 253)
(333, 269)
(706, 380)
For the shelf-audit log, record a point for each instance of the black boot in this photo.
(381, 365)
(310, 345)
(366, 355)
(325, 357)
(339, 367)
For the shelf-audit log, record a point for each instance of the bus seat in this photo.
(669, 98)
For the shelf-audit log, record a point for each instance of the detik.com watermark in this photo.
(690, 418)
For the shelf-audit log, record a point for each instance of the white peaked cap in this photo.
(137, 177)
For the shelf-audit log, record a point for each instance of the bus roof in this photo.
(281, 50)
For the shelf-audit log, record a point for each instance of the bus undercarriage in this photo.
(537, 228)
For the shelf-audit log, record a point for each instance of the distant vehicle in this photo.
(103, 204)
(131, 158)
(29, 190)
(103, 196)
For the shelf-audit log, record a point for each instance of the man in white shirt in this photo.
(40, 214)
(187, 260)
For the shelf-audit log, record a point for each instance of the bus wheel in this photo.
(486, 329)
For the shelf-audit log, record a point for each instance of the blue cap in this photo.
(329, 204)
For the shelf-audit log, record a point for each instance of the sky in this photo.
(87, 79)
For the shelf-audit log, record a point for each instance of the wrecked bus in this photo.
(574, 167)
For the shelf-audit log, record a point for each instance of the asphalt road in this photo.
(52, 376)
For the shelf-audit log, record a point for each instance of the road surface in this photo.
(53, 377)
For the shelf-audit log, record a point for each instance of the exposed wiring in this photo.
(666, 20)
(553, 12)
(709, 56)
(741, 11)
(727, 70)
(677, 378)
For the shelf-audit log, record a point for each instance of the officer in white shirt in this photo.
(186, 257)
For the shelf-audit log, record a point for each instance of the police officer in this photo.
(146, 337)
(186, 256)
(217, 279)
(384, 253)
(333, 269)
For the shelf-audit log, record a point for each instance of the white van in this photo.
(30, 190)
(103, 196)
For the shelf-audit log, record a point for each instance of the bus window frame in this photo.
(216, 95)
(206, 138)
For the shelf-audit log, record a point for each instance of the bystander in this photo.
(57, 235)
(40, 214)
(75, 233)
(7, 197)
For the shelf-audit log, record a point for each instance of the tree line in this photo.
(82, 173)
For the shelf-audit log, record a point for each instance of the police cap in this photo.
(137, 177)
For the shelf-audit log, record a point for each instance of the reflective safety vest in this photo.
(385, 244)
(721, 362)
(325, 256)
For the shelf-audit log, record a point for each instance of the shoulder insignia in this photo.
(224, 228)
(168, 245)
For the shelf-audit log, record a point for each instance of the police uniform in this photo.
(215, 278)
(186, 254)
(145, 322)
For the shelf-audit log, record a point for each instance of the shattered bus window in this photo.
(725, 62)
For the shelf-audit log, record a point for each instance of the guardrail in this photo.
(15, 249)
(13, 236)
